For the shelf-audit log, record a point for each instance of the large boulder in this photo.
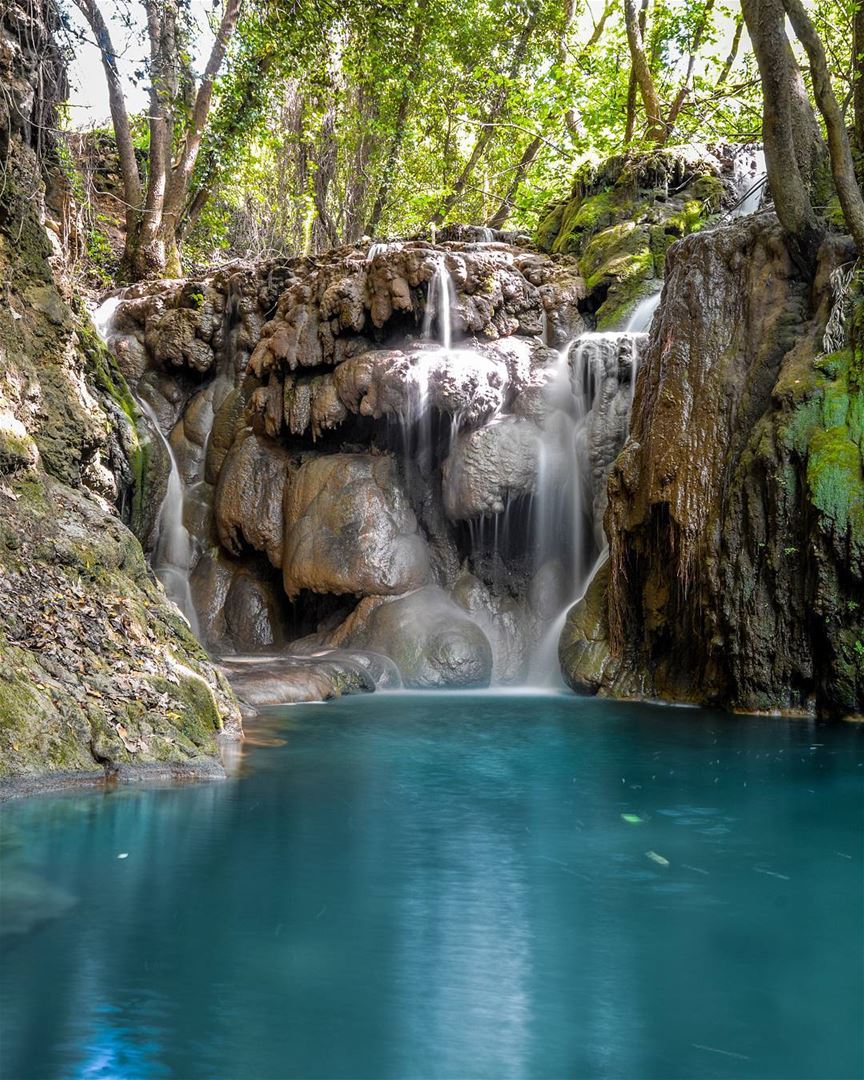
(349, 529)
(249, 497)
(490, 466)
(433, 641)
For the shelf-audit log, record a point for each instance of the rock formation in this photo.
(736, 510)
(98, 673)
(381, 428)
(345, 465)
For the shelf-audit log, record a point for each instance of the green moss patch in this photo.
(826, 428)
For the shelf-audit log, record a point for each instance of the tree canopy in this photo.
(317, 122)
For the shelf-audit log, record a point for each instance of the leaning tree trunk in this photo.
(571, 118)
(133, 193)
(858, 70)
(793, 144)
(488, 128)
(177, 188)
(656, 131)
(842, 168)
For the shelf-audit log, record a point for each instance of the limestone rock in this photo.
(349, 529)
(489, 466)
(433, 641)
(249, 497)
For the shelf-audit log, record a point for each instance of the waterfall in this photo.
(172, 556)
(750, 177)
(587, 414)
(588, 398)
(641, 316)
(378, 248)
(439, 304)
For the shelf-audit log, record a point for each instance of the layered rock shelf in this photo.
(333, 452)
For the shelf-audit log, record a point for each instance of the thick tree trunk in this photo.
(791, 138)
(842, 167)
(656, 131)
(148, 256)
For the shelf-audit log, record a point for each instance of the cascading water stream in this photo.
(173, 553)
(566, 482)
(439, 305)
(581, 395)
(750, 178)
(643, 314)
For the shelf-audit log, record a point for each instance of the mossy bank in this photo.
(99, 675)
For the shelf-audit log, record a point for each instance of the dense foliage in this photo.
(335, 119)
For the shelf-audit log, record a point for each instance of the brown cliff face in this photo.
(735, 510)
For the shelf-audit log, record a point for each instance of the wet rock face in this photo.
(313, 405)
(350, 529)
(489, 466)
(734, 576)
(432, 641)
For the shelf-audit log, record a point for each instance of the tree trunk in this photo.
(149, 254)
(656, 131)
(208, 170)
(733, 50)
(570, 116)
(788, 136)
(398, 135)
(839, 150)
(858, 74)
(686, 83)
(178, 183)
(132, 189)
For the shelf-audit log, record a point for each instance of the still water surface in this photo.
(424, 886)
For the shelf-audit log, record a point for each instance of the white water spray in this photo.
(172, 555)
(643, 314)
(583, 395)
(750, 180)
(439, 305)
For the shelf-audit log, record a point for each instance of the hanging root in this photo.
(835, 330)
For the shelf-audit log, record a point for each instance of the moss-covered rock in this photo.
(98, 672)
(622, 217)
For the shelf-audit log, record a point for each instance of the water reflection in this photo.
(451, 886)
